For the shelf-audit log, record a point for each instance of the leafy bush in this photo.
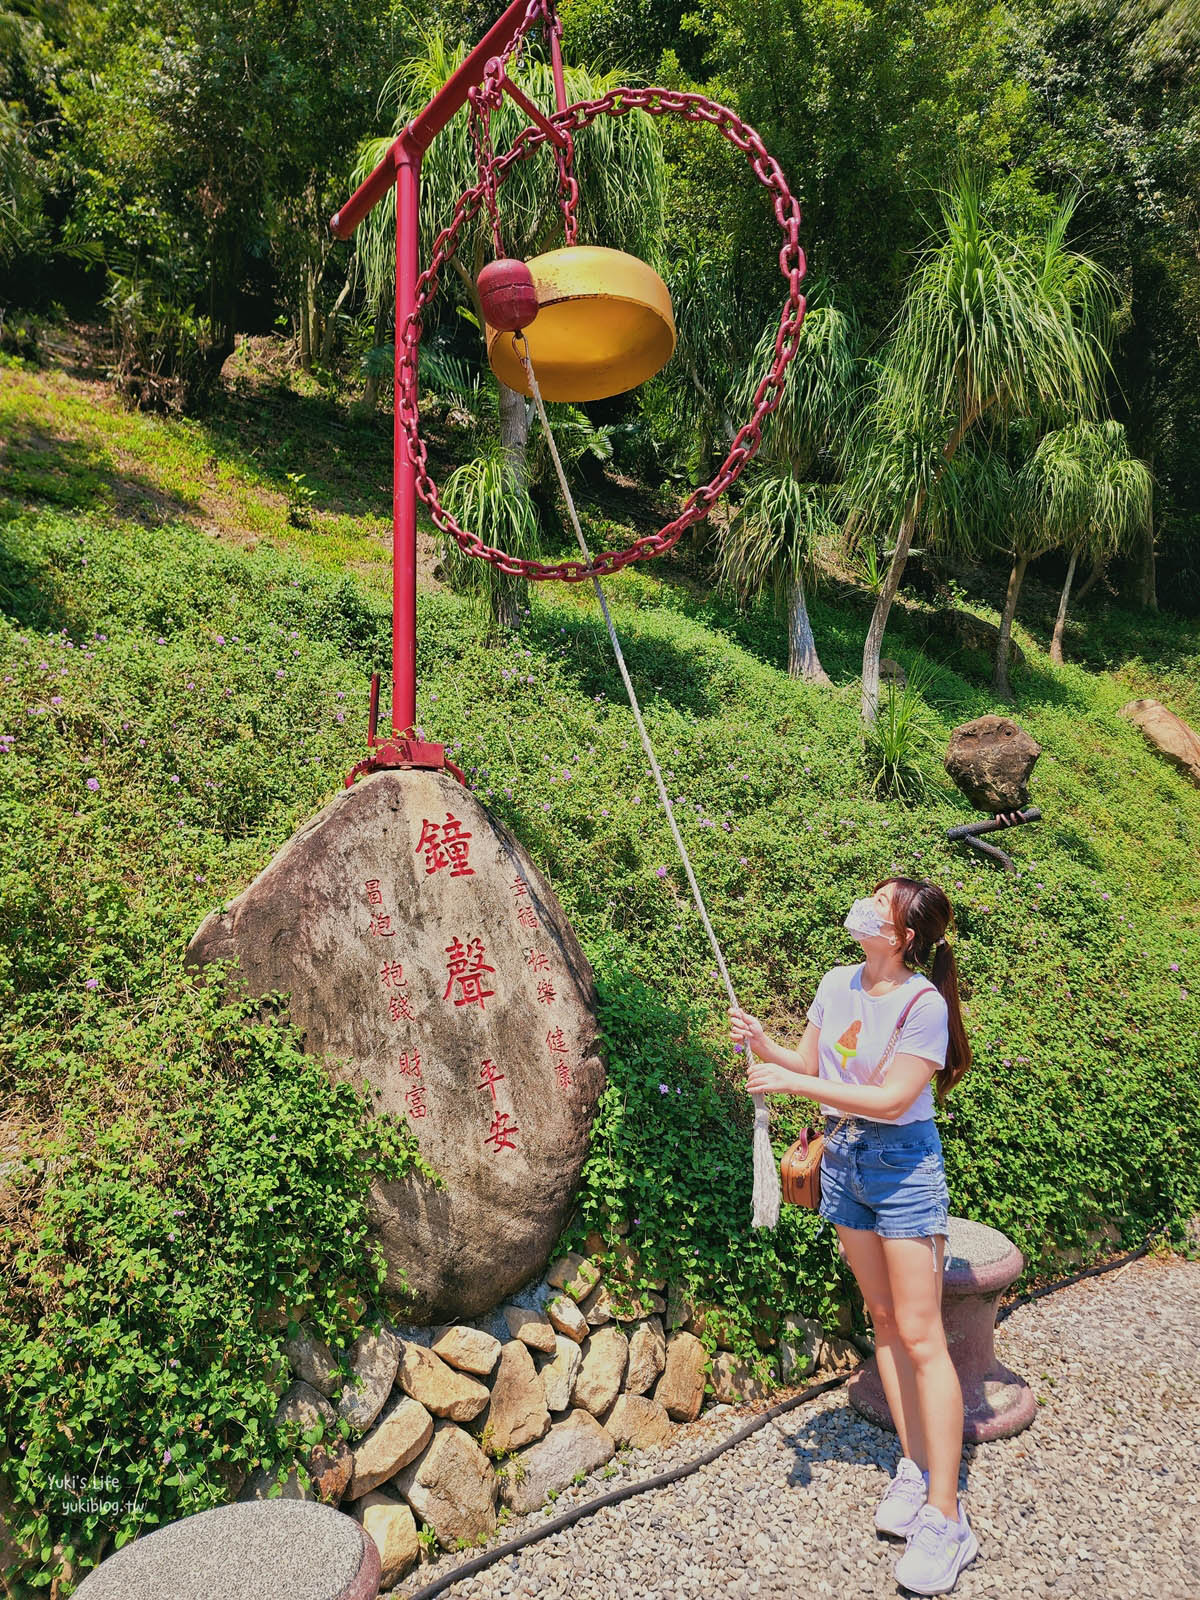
(168, 357)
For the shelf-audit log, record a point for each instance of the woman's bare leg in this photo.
(864, 1251)
(915, 1276)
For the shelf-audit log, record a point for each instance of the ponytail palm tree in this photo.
(788, 507)
(993, 328)
(1080, 491)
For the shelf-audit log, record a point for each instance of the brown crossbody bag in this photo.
(800, 1169)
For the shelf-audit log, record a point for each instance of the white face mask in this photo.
(864, 920)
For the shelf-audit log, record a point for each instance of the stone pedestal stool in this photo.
(980, 1265)
(288, 1549)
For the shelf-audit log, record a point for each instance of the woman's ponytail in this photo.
(921, 906)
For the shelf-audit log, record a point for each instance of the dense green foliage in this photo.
(173, 708)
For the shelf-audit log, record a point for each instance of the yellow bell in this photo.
(603, 326)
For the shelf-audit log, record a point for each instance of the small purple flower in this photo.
(280, 673)
(191, 686)
(174, 777)
(93, 784)
(199, 877)
(166, 1458)
(56, 699)
(637, 799)
(339, 716)
(160, 641)
(662, 872)
(171, 1238)
(1174, 966)
(220, 638)
(91, 983)
(664, 1088)
(1105, 895)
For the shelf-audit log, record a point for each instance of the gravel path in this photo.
(1099, 1497)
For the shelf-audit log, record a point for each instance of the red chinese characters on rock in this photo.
(526, 916)
(415, 1101)
(545, 992)
(537, 960)
(501, 1135)
(466, 967)
(381, 923)
(445, 844)
(489, 1077)
(556, 1040)
(409, 1064)
(391, 975)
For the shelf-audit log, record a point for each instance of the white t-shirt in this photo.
(855, 1028)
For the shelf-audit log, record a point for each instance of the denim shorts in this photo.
(885, 1177)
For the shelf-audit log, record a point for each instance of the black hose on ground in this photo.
(626, 1492)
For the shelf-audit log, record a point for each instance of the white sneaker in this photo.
(904, 1497)
(936, 1553)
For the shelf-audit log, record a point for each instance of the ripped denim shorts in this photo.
(885, 1177)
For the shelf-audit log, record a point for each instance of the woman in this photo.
(883, 1186)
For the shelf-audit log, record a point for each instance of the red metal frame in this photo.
(482, 78)
(401, 168)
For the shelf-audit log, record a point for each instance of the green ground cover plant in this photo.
(173, 706)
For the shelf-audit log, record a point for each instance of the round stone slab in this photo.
(425, 953)
(293, 1549)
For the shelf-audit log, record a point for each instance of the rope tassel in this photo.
(766, 1174)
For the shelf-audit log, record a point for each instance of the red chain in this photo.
(617, 103)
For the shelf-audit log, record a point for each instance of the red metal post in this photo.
(404, 475)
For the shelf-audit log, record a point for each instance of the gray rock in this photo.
(575, 1274)
(577, 1445)
(1167, 733)
(374, 1357)
(467, 1349)
(438, 1387)
(733, 1381)
(414, 979)
(990, 759)
(451, 1485)
(800, 1348)
(517, 1413)
(605, 1356)
(391, 1526)
(403, 1430)
(565, 1317)
(558, 1373)
(639, 1421)
(680, 1390)
(531, 1328)
(647, 1355)
(311, 1358)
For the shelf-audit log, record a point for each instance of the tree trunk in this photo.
(1000, 684)
(873, 647)
(306, 330)
(329, 337)
(514, 432)
(803, 661)
(1146, 590)
(1092, 578)
(370, 397)
(1060, 620)
(874, 642)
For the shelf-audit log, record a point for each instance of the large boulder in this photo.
(990, 760)
(423, 951)
(1168, 734)
(680, 1390)
(639, 1421)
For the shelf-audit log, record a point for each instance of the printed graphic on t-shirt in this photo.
(847, 1045)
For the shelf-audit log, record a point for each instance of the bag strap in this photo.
(888, 1048)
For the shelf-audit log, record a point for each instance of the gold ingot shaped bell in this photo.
(603, 326)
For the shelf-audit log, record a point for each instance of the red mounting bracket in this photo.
(401, 750)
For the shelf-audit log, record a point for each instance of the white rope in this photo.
(766, 1174)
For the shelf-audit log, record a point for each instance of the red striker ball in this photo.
(507, 295)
